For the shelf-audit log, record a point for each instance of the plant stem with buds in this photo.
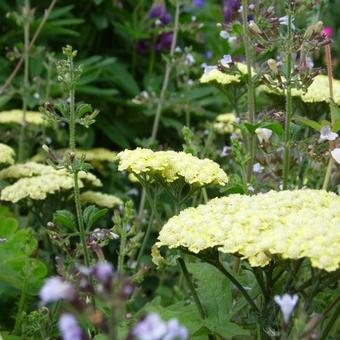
(251, 87)
(288, 118)
(26, 15)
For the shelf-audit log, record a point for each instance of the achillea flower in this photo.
(287, 224)
(171, 165)
(225, 123)
(31, 169)
(16, 116)
(213, 74)
(100, 199)
(7, 154)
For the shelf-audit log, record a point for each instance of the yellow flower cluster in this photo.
(7, 154)
(31, 169)
(225, 123)
(37, 188)
(100, 199)
(171, 165)
(288, 224)
(16, 117)
(215, 75)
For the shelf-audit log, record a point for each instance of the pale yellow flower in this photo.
(101, 199)
(171, 165)
(288, 224)
(225, 123)
(16, 117)
(7, 154)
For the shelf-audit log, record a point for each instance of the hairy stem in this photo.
(27, 20)
(251, 87)
(287, 145)
(333, 113)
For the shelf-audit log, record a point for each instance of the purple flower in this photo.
(199, 3)
(103, 271)
(164, 41)
(69, 327)
(208, 54)
(158, 11)
(230, 9)
(226, 60)
(176, 331)
(152, 327)
(143, 46)
(55, 288)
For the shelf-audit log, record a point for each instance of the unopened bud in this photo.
(313, 30)
(46, 148)
(253, 27)
(50, 224)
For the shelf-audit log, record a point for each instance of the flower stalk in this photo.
(250, 87)
(288, 118)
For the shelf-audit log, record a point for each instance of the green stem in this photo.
(251, 87)
(332, 321)
(287, 145)
(80, 219)
(192, 288)
(166, 79)
(121, 256)
(26, 79)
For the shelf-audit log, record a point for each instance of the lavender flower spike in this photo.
(150, 328)
(103, 271)
(55, 288)
(69, 327)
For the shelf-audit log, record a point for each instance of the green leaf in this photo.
(276, 127)
(250, 127)
(336, 126)
(308, 122)
(92, 214)
(65, 218)
(82, 109)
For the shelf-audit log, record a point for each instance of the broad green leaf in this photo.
(65, 218)
(92, 214)
(308, 122)
(276, 127)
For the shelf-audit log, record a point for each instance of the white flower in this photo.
(336, 155)
(189, 59)
(158, 22)
(69, 327)
(240, 10)
(284, 21)
(263, 134)
(257, 168)
(178, 49)
(151, 328)
(226, 151)
(327, 134)
(226, 60)
(55, 288)
(251, 7)
(176, 331)
(224, 35)
(287, 305)
(208, 68)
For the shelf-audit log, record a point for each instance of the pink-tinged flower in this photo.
(69, 327)
(55, 289)
(328, 31)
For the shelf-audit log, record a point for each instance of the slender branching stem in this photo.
(27, 22)
(288, 118)
(251, 87)
(333, 113)
(31, 44)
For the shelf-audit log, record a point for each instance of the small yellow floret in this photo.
(225, 123)
(171, 165)
(289, 224)
(7, 154)
(100, 199)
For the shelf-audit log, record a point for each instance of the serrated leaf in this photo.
(92, 214)
(65, 218)
(82, 109)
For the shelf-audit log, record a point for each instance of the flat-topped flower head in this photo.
(171, 166)
(213, 74)
(7, 154)
(16, 117)
(101, 199)
(286, 224)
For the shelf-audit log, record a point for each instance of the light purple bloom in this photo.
(224, 35)
(150, 328)
(257, 168)
(199, 3)
(230, 9)
(69, 327)
(209, 54)
(55, 288)
(176, 331)
(103, 271)
(327, 134)
(208, 68)
(226, 60)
